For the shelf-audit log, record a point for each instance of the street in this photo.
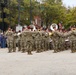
(45, 63)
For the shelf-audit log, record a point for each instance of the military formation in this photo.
(64, 41)
(39, 41)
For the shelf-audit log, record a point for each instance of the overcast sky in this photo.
(67, 3)
(71, 3)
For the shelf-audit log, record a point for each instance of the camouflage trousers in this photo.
(43, 45)
(67, 45)
(29, 47)
(55, 46)
(14, 46)
(61, 45)
(46, 45)
(38, 45)
(19, 45)
(11, 46)
(73, 46)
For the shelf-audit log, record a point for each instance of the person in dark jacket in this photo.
(3, 41)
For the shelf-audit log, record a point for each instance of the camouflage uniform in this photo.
(14, 42)
(29, 42)
(67, 43)
(23, 41)
(38, 42)
(9, 35)
(61, 41)
(73, 42)
(19, 41)
(55, 38)
(43, 42)
(34, 36)
(50, 41)
(46, 40)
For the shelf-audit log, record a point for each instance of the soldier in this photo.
(9, 35)
(50, 41)
(38, 42)
(55, 38)
(29, 42)
(19, 43)
(73, 41)
(66, 35)
(60, 41)
(67, 43)
(14, 41)
(23, 41)
(43, 42)
(34, 36)
(46, 40)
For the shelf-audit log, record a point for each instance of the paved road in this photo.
(45, 63)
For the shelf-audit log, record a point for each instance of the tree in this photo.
(50, 11)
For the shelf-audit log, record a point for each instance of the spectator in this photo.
(3, 41)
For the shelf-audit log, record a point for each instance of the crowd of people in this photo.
(41, 39)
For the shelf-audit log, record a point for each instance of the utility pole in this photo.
(3, 15)
(3, 5)
(9, 7)
(30, 12)
(2, 8)
(18, 12)
(19, 27)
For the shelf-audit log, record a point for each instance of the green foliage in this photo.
(50, 11)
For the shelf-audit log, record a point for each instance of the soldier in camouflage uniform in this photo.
(60, 41)
(55, 38)
(43, 42)
(66, 35)
(14, 41)
(66, 43)
(29, 42)
(24, 37)
(46, 40)
(73, 41)
(38, 42)
(19, 43)
(9, 35)
(34, 36)
(50, 41)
